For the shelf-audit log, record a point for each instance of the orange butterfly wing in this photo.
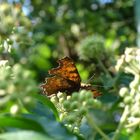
(67, 70)
(66, 78)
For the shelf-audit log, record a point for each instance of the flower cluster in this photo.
(130, 63)
(91, 48)
(16, 87)
(74, 108)
(12, 16)
(14, 26)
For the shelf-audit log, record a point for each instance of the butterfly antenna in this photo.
(100, 86)
(90, 79)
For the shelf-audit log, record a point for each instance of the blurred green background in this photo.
(101, 36)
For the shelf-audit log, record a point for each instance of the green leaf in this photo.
(55, 129)
(44, 50)
(136, 135)
(46, 102)
(22, 123)
(23, 135)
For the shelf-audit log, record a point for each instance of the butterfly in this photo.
(65, 78)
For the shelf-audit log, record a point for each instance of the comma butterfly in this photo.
(66, 79)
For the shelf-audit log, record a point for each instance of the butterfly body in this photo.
(65, 78)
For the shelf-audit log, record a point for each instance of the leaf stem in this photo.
(104, 68)
(95, 127)
(122, 123)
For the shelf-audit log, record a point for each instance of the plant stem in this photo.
(104, 68)
(122, 123)
(95, 127)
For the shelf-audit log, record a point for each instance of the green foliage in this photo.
(100, 36)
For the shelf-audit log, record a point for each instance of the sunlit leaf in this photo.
(23, 135)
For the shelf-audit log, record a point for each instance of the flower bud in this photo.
(90, 102)
(89, 95)
(68, 97)
(11, 88)
(82, 96)
(75, 96)
(123, 91)
(127, 100)
(74, 105)
(97, 103)
(71, 119)
(66, 104)
(69, 126)
(60, 94)
(27, 100)
(14, 109)
(139, 88)
(54, 99)
(128, 51)
(61, 100)
(129, 58)
(62, 116)
(135, 113)
(2, 92)
(120, 63)
(82, 111)
(76, 130)
(135, 82)
(137, 98)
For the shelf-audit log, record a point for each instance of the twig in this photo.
(104, 68)
(95, 127)
(122, 123)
